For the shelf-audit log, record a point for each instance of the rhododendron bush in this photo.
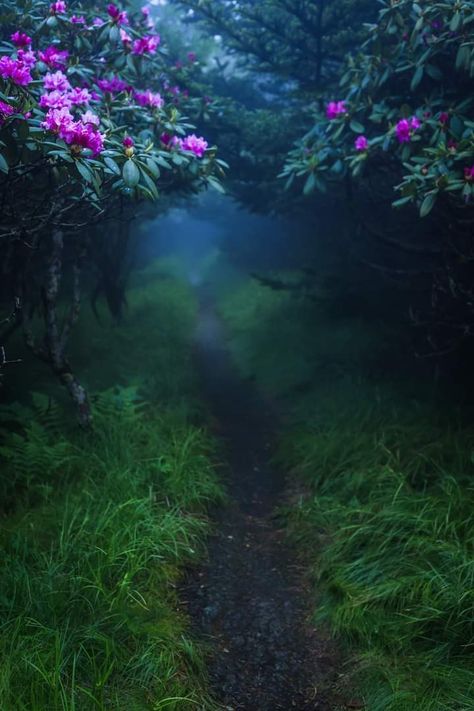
(403, 105)
(89, 123)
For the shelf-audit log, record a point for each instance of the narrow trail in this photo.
(251, 601)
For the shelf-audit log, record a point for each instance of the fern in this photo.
(34, 454)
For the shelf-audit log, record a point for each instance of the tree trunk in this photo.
(56, 337)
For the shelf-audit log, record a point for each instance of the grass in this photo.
(97, 527)
(384, 510)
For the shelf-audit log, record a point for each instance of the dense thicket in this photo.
(89, 122)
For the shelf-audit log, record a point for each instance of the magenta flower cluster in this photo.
(146, 45)
(15, 71)
(54, 58)
(114, 85)
(335, 109)
(119, 17)
(58, 7)
(78, 134)
(6, 110)
(194, 144)
(148, 98)
(469, 173)
(361, 143)
(21, 39)
(405, 128)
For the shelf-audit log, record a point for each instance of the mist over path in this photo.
(251, 600)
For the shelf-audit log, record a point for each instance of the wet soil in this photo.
(251, 600)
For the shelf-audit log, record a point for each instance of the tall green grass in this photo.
(383, 497)
(96, 527)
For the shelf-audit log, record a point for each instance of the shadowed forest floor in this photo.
(251, 600)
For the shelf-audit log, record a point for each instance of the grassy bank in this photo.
(96, 527)
(384, 509)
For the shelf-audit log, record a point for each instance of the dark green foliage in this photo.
(97, 526)
(299, 40)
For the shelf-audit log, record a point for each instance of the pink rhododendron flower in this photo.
(54, 100)
(335, 109)
(54, 58)
(469, 173)
(125, 37)
(5, 111)
(57, 81)
(113, 85)
(78, 20)
(77, 134)
(15, 71)
(20, 39)
(195, 144)
(405, 127)
(78, 97)
(148, 98)
(147, 18)
(192, 56)
(128, 142)
(168, 140)
(58, 120)
(118, 16)
(26, 57)
(444, 118)
(146, 45)
(58, 7)
(361, 143)
(97, 22)
(90, 118)
(402, 129)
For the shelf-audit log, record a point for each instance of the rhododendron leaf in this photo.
(3, 164)
(130, 174)
(455, 21)
(428, 204)
(310, 184)
(84, 171)
(110, 163)
(114, 35)
(153, 167)
(214, 183)
(164, 163)
(417, 77)
(150, 184)
(356, 126)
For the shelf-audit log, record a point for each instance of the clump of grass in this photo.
(98, 528)
(384, 516)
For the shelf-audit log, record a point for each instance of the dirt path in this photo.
(251, 600)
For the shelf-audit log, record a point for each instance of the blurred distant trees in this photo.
(380, 94)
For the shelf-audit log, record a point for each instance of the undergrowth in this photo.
(384, 509)
(96, 527)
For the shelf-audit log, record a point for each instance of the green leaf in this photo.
(130, 174)
(213, 182)
(417, 77)
(3, 164)
(428, 204)
(84, 171)
(455, 22)
(356, 126)
(152, 167)
(110, 163)
(310, 184)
